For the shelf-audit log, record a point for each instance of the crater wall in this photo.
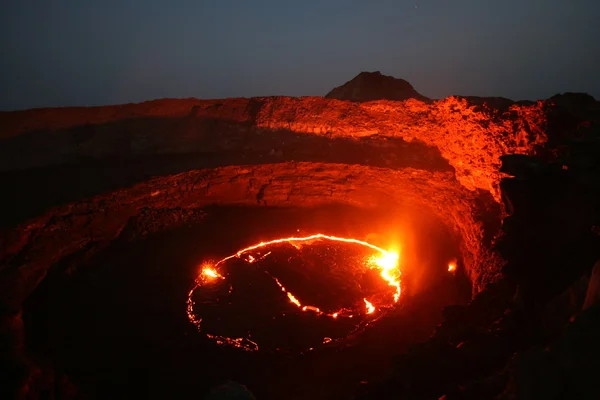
(470, 137)
(30, 250)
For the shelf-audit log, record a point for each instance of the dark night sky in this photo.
(93, 52)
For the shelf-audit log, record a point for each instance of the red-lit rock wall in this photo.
(471, 140)
(470, 137)
(88, 225)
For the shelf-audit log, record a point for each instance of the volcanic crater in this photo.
(109, 257)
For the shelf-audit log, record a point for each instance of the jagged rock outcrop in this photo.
(369, 86)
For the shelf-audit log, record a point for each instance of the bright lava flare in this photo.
(452, 266)
(384, 261)
(370, 307)
(209, 273)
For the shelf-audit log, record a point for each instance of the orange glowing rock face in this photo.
(386, 263)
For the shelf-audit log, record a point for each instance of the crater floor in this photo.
(118, 324)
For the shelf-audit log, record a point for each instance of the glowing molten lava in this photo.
(370, 307)
(208, 273)
(452, 266)
(388, 264)
(385, 262)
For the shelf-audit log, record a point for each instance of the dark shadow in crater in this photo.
(88, 160)
(118, 326)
